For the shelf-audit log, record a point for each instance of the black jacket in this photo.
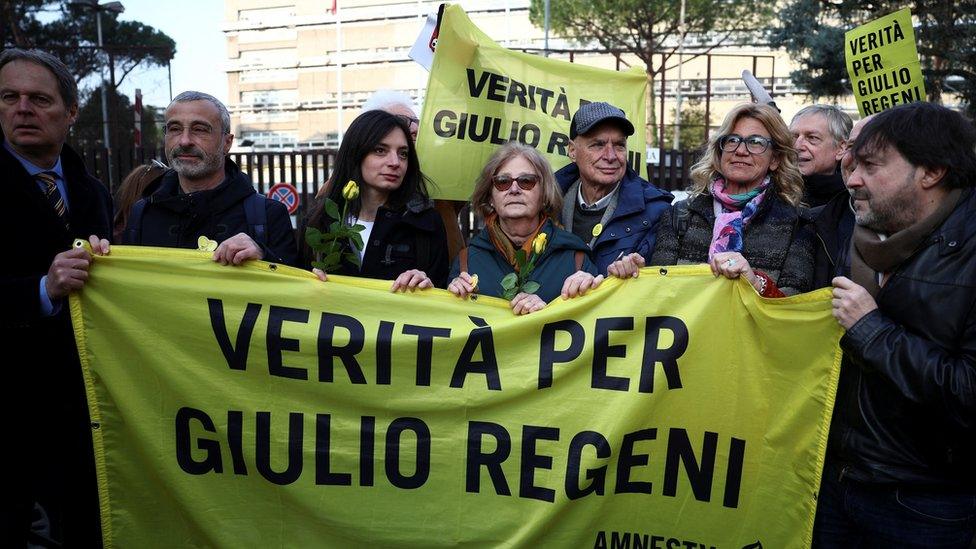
(412, 238)
(906, 405)
(834, 225)
(174, 219)
(819, 189)
(43, 393)
(777, 242)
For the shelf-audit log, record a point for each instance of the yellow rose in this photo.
(539, 244)
(350, 191)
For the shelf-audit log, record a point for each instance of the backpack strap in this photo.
(579, 256)
(680, 219)
(463, 259)
(133, 231)
(257, 218)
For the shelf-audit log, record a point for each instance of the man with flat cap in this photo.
(605, 202)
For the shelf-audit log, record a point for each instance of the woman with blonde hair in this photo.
(743, 216)
(517, 196)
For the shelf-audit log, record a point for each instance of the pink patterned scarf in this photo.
(737, 212)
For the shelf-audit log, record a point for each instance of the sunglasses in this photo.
(525, 181)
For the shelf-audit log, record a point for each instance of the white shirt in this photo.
(599, 204)
(365, 234)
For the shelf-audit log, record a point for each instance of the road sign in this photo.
(286, 194)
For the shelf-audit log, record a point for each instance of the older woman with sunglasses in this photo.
(742, 217)
(518, 198)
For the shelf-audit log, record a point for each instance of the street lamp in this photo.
(114, 7)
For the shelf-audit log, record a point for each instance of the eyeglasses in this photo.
(408, 119)
(755, 144)
(525, 181)
(156, 164)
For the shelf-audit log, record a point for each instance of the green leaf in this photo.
(509, 294)
(354, 259)
(331, 259)
(510, 282)
(357, 239)
(313, 237)
(334, 227)
(319, 265)
(358, 228)
(332, 209)
(520, 257)
(530, 287)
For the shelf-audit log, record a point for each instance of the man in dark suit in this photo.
(48, 199)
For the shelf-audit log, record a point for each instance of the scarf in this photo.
(870, 255)
(504, 244)
(737, 211)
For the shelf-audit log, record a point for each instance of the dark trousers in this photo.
(854, 514)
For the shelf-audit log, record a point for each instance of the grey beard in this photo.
(209, 165)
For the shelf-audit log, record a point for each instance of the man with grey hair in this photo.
(50, 199)
(820, 136)
(606, 203)
(395, 102)
(206, 194)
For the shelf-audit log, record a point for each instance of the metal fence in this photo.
(308, 171)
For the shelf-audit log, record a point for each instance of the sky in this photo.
(201, 51)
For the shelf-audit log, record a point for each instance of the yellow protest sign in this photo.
(256, 406)
(882, 62)
(481, 95)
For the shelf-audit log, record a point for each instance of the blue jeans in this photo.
(853, 514)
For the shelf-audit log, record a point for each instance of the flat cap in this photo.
(592, 114)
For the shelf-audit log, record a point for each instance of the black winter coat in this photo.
(777, 241)
(834, 225)
(906, 405)
(174, 219)
(819, 189)
(43, 395)
(412, 238)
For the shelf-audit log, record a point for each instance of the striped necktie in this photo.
(53, 196)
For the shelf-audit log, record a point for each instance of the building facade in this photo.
(299, 70)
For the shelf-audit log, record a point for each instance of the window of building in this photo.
(267, 15)
(269, 97)
(280, 75)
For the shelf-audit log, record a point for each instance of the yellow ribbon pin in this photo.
(204, 244)
(597, 229)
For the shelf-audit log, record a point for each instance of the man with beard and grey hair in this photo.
(899, 463)
(206, 194)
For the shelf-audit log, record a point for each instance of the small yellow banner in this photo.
(256, 406)
(882, 62)
(481, 95)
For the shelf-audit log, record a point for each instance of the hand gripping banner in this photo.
(481, 95)
(256, 406)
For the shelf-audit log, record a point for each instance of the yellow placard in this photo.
(481, 95)
(882, 62)
(256, 406)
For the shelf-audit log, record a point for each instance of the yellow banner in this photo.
(255, 406)
(882, 61)
(481, 95)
